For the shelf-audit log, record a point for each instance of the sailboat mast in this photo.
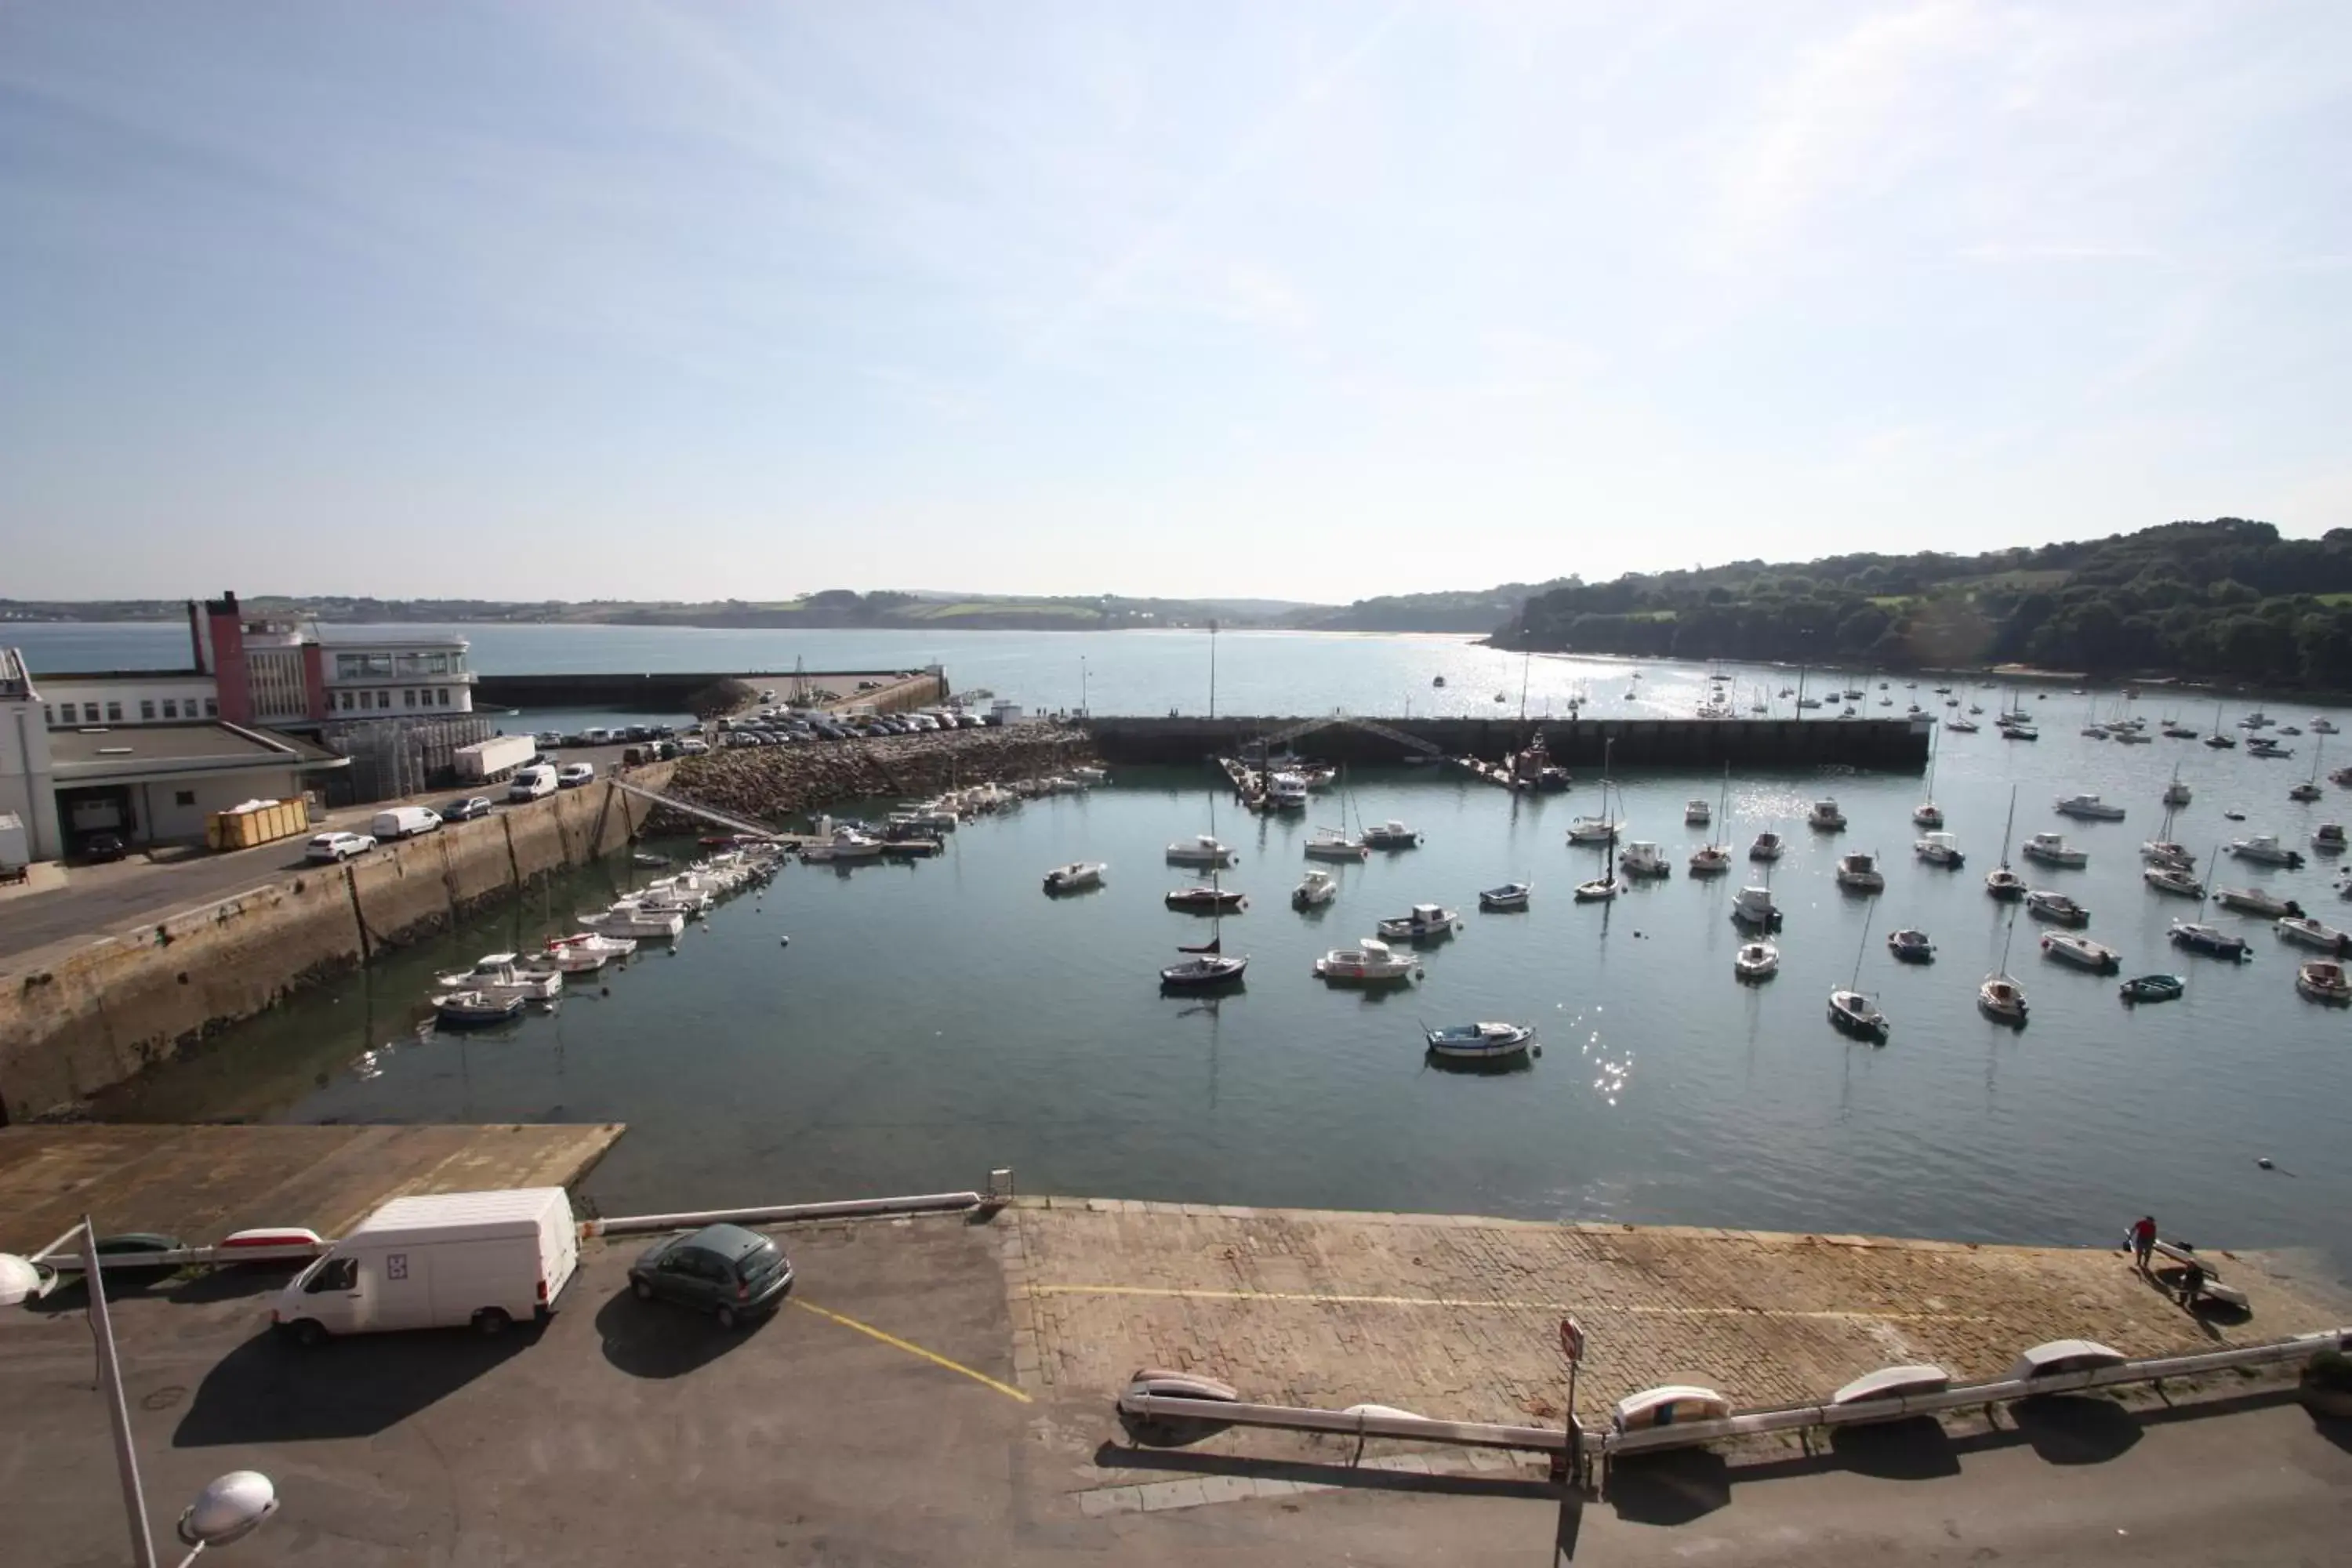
(1862, 946)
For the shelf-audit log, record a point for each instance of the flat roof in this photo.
(95, 751)
(52, 675)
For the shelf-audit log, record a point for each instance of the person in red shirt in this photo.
(2142, 1241)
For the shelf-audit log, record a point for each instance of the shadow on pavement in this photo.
(661, 1338)
(231, 1284)
(1670, 1488)
(1309, 1472)
(2075, 1429)
(1913, 1449)
(268, 1391)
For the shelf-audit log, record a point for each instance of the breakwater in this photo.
(108, 1011)
(674, 691)
(1891, 744)
(775, 784)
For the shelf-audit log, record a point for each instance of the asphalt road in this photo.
(874, 1421)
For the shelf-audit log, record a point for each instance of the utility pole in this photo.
(1213, 667)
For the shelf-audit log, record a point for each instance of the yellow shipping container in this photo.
(243, 829)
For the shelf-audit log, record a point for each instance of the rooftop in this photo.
(95, 752)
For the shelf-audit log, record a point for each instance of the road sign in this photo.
(1571, 1338)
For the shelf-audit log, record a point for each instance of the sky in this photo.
(609, 299)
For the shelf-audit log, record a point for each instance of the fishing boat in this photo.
(474, 1009)
(1767, 847)
(1424, 922)
(1332, 843)
(2069, 947)
(2152, 988)
(1754, 907)
(1208, 901)
(1075, 878)
(628, 918)
(1286, 791)
(1939, 849)
(1510, 898)
(2055, 908)
(1826, 816)
(2323, 980)
(501, 974)
(841, 843)
(587, 951)
(1756, 961)
(2089, 808)
(1482, 1042)
(2177, 880)
(2256, 901)
(2052, 850)
(1370, 963)
(1392, 835)
(2265, 849)
(1314, 891)
(2305, 931)
(1202, 849)
(1910, 946)
(1645, 859)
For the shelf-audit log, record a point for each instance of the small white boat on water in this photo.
(1076, 876)
(1202, 849)
(1826, 816)
(1509, 897)
(474, 1009)
(2055, 908)
(1697, 813)
(843, 843)
(1090, 775)
(1424, 922)
(1314, 890)
(2305, 931)
(1286, 791)
(629, 918)
(1370, 961)
(1594, 830)
(1645, 859)
(1392, 835)
(2004, 884)
(2002, 999)
(2255, 902)
(1482, 1042)
(2175, 793)
(1857, 1015)
(1754, 907)
(1859, 872)
(1331, 844)
(2265, 849)
(1756, 961)
(2328, 838)
(2323, 980)
(2089, 808)
(1939, 849)
(1961, 726)
(2052, 850)
(2177, 880)
(1911, 946)
(1767, 847)
(1599, 890)
(587, 953)
(1928, 814)
(2072, 947)
(1710, 860)
(501, 974)
(2167, 852)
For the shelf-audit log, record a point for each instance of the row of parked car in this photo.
(538, 778)
(774, 729)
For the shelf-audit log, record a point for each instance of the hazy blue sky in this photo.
(1316, 302)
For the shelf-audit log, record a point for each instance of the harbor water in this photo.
(927, 1021)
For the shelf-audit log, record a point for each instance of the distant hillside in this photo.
(2227, 599)
(1480, 610)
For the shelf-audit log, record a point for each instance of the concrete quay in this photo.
(1893, 744)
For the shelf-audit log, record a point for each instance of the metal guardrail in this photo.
(1348, 1423)
(779, 1214)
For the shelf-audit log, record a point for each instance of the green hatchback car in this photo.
(731, 1273)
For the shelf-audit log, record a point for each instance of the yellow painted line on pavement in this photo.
(914, 1350)
(1178, 1293)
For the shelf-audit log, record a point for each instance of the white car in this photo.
(572, 775)
(332, 847)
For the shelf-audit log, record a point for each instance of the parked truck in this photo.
(487, 761)
(438, 1260)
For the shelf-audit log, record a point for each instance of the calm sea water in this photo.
(928, 1022)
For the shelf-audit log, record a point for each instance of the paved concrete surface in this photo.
(201, 1182)
(869, 1423)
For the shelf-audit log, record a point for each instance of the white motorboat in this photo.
(2002, 999)
(1314, 891)
(628, 918)
(1645, 859)
(1202, 849)
(1756, 961)
(1482, 1042)
(2207, 939)
(1859, 872)
(500, 974)
(1392, 835)
(843, 843)
(2323, 980)
(1286, 791)
(2057, 907)
(2308, 933)
(1939, 849)
(2072, 947)
(1857, 1015)
(1710, 860)
(1370, 961)
(1076, 876)
(1425, 922)
(1754, 907)
(587, 953)
(1331, 844)
(2089, 808)
(2328, 838)
(1697, 813)
(2167, 852)
(683, 893)
(2177, 880)
(474, 1009)
(1928, 814)
(2004, 884)
(1090, 775)
(2052, 850)
(2255, 902)
(1911, 946)
(1601, 829)
(1826, 816)
(2265, 849)
(1767, 847)
(1509, 897)
(1205, 900)
(2323, 725)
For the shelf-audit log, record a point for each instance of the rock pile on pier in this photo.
(779, 784)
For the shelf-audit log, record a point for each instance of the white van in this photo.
(529, 784)
(439, 1260)
(405, 822)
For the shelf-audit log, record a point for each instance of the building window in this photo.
(347, 702)
(442, 697)
(147, 709)
(171, 707)
(211, 708)
(114, 712)
(48, 715)
(184, 797)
